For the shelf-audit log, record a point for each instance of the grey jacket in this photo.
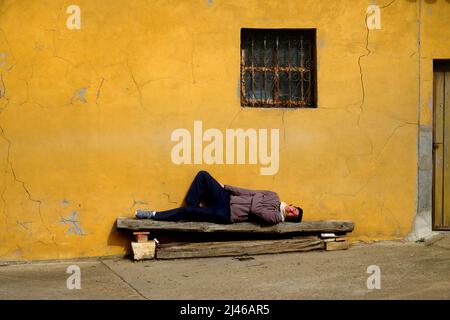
(260, 205)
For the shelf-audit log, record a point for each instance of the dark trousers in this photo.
(215, 198)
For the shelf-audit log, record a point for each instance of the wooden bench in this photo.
(303, 236)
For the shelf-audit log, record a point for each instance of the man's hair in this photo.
(298, 218)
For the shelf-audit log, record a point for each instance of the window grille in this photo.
(278, 68)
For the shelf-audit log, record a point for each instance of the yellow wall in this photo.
(145, 68)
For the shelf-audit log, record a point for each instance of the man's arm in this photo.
(268, 217)
(239, 191)
(267, 213)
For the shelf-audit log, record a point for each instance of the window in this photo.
(278, 68)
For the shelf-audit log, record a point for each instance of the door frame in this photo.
(439, 65)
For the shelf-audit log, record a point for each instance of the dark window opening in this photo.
(278, 68)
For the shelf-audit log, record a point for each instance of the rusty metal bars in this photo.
(304, 69)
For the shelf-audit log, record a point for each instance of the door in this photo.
(441, 145)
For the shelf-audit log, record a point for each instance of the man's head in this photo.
(293, 214)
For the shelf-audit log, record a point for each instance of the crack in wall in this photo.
(2, 89)
(2, 196)
(3, 96)
(28, 93)
(391, 216)
(136, 202)
(97, 95)
(387, 5)
(192, 61)
(368, 52)
(9, 163)
(24, 224)
(235, 116)
(65, 60)
(37, 201)
(168, 198)
(377, 159)
(138, 88)
(9, 47)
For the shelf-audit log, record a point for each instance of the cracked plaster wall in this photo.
(86, 115)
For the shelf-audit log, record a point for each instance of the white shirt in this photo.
(283, 206)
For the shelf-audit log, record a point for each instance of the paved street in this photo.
(408, 271)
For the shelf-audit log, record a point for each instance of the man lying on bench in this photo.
(226, 204)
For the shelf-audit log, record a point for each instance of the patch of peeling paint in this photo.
(2, 87)
(137, 202)
(79, 95)
(73, 223)
(3, 56)
(321, 43)
(24, 224)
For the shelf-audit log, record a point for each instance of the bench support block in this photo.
(337, 245)
(144, 250)
(141, 236)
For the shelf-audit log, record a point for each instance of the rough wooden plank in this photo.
(341, 245)
(439, 101)
(242, 227)
(341, 238)
(237, 248)
(438, 147)
(446, 209)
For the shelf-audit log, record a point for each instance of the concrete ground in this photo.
(408, 271)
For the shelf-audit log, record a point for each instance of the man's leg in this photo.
(192, 213)
(205, 187)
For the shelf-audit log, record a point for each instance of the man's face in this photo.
(291, 212)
